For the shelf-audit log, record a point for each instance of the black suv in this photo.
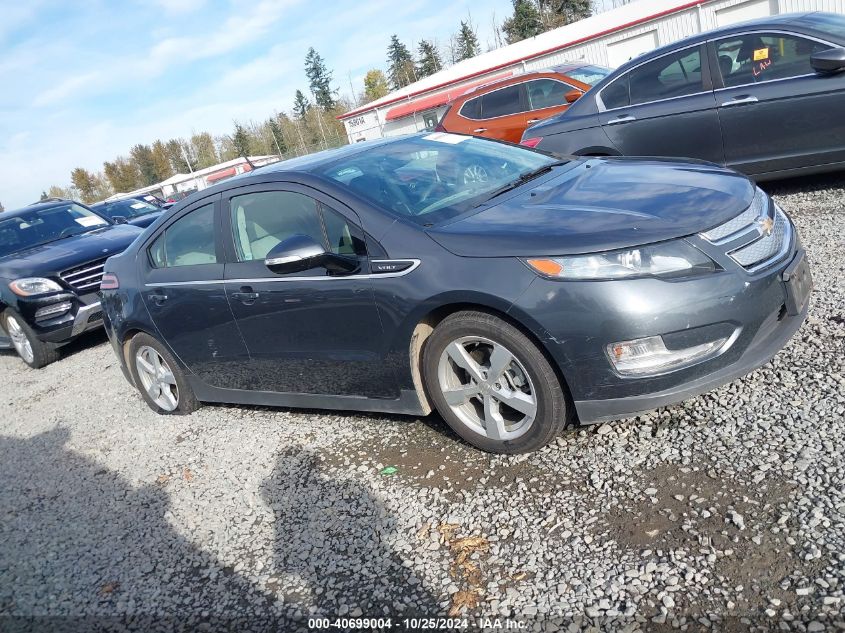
(51, 264)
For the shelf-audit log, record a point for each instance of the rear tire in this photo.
(492, 384)
(32, 350)
(159, 377)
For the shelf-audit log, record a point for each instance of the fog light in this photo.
(649, 356)
(53, 310)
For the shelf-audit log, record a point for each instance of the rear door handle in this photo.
(739, 101)
(622, 118)
(247, 295)
(479, 130)
(532, 120)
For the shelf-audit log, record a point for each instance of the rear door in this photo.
(308, 332)
(776, 112)
(503, 113)
(664, 107)
(182, 269)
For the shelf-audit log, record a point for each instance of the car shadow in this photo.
(86, 341)
(82, 548)
(805, 184)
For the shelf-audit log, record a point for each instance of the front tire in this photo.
(32, 350)
(492, 384)
(159, 377)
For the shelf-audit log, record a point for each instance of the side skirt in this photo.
(408, 402)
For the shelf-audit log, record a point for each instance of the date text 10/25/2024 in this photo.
(416, 624)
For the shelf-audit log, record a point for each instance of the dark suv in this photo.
(51, 265)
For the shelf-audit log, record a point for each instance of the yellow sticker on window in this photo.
(760, 54)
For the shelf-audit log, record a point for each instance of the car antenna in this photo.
(248, 161)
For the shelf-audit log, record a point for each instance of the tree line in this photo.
(312, 122)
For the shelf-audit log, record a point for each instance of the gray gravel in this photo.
(725, 512)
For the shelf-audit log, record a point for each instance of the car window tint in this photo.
(669, 76)
(616, 94)
(757, 57)
(546, 93)
(471, 109)
(501, 102)
(345, 238)
(262, 220)
(187, 242)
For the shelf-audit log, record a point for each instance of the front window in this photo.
(757, 57)
(547, 93)
(127, 208)
(437, 177)
(589, 75)
(41, 226)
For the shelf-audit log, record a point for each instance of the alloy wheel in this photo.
(157, 378)
(19, 340)
(475, 173)
(487, 388)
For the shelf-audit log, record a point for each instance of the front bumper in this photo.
(578, 320)
(85, 314)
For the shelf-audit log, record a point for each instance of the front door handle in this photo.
(247, 295)
(532, 121)
(158, 298)
(741, 100)
(622, 118)
(479, 130)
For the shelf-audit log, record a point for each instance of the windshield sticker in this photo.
(445, 137)
(89, 220)
(760, 54)
(139, 205)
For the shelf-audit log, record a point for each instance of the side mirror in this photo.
(119, 219)
(830, 61)
(573, 96)
(300, 252)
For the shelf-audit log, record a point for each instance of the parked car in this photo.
(51, 263)
(556, 291)
(763, 97)
(129, 210)
(503, 109)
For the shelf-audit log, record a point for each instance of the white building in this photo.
(199, 179)
(609, 38)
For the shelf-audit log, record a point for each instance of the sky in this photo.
(84, 81)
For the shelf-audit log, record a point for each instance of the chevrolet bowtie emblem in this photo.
(766, 226)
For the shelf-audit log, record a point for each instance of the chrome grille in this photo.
(767, 247)
(741, 222)
(763, 238)
(85, 278)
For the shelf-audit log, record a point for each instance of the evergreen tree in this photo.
(278, 137)
(429, 61)
(400, 69)
(301, 105)
(524, 23)
(85, 183)
(319, 80)
(241, 141)
(466, 43)
(44, 196)
(375, 85)
(556, 13)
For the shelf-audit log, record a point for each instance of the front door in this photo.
(182, 270)
(664, 107)
(309, 332)
(776, 112)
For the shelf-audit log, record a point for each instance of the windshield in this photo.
(39, 226)
(436, 177)
(126, 208)
(589, 75)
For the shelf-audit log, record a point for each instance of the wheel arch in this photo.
(426, 324)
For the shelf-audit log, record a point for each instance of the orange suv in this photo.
(504, 109)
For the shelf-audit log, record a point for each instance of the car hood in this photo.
(600, 204)
(48, 260)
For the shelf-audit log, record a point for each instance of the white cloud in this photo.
(67, 88)
(180, 6)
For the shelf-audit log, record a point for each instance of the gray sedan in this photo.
(763, 97)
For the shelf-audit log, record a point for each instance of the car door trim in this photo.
(415, 263)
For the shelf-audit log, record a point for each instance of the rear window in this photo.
(616, 94)
(674, 75)
(501, 102)
(471, 109)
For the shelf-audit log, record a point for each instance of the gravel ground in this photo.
(725, 512)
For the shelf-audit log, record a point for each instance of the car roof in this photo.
(36, 206)
(558, 69)
(802, 20)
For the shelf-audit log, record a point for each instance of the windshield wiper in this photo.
(522, 179)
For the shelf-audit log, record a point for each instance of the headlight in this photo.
(665, 260)
(30, 286)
